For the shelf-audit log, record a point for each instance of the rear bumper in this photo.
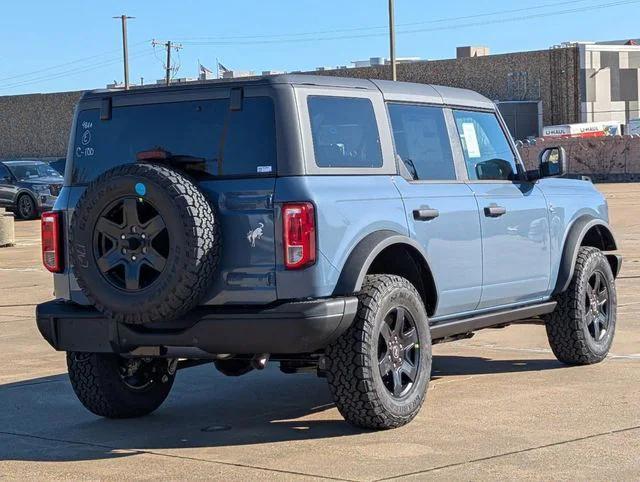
(293, 327)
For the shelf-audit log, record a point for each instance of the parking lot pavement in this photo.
(499, 405)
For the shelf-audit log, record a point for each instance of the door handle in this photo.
(494, 211)
(425, 214)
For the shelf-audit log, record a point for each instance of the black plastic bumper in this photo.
(293, 327)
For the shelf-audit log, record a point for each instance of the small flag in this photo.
(222, 68)
(204, 70)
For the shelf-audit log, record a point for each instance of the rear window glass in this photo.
(205, 134)
(344, 131)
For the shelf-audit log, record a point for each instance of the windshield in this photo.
(35, 170)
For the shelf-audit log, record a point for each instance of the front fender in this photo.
(573, 242)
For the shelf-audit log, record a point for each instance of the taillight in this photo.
(51, 242)
(299, 234)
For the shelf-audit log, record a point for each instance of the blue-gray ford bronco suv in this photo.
(340, 226)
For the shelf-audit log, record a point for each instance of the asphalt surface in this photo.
(499, 405)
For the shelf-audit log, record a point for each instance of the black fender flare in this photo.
(572, 243)
(365, 252)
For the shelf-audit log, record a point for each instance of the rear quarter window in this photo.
(206, 134)
(344, 131)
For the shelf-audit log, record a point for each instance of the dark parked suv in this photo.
(335, 225)
(28, 187)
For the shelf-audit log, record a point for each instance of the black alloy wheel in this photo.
(131, 244)
(398, 352)
(379, 369)
(26, 207)
(597, 313)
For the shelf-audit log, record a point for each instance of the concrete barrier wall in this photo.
(7, 229)
(612, 159)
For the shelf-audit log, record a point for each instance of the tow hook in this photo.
(260, 361)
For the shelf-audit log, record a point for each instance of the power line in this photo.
(587, 8)
(359, 29)
(75, 71)
(55, 67)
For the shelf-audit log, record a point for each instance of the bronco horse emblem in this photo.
(254, 234)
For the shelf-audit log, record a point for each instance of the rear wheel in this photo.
(26, 207)
(378, 371)
(581, 328)
(116, 387)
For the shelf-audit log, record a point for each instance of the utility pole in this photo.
(168, 45)
(168, 72)
(125, 49)
(392, 42)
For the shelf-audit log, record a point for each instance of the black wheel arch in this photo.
(389, 252)
(587, 230)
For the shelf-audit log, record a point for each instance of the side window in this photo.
(344, 131)
(422, 142)
(4, 173)
(487, 152)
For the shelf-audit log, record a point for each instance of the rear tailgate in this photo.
(246, 273)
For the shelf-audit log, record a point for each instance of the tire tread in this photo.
(564, 326)
(202, 250)
(350, 374)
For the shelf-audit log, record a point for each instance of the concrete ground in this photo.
(499, 405)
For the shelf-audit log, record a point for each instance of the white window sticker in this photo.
(471, 140)
(264, 169)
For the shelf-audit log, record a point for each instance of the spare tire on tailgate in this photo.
(143, 243)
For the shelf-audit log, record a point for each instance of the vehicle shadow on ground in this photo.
(41, 420)
(444, 366)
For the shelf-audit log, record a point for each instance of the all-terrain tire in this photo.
(96, 379)
(568, 328)
(192, 250)
(352, 360)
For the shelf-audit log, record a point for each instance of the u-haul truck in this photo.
(587, 129)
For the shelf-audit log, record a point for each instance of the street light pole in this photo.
(392, 42)
(125, 50)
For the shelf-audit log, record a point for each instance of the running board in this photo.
(450, 328)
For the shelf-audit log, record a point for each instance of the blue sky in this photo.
(67, 45)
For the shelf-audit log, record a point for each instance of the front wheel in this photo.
(26, 207)
(116, 387)
(378, 370)
(581, 328)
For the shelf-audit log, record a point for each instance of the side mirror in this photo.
(553, 162)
